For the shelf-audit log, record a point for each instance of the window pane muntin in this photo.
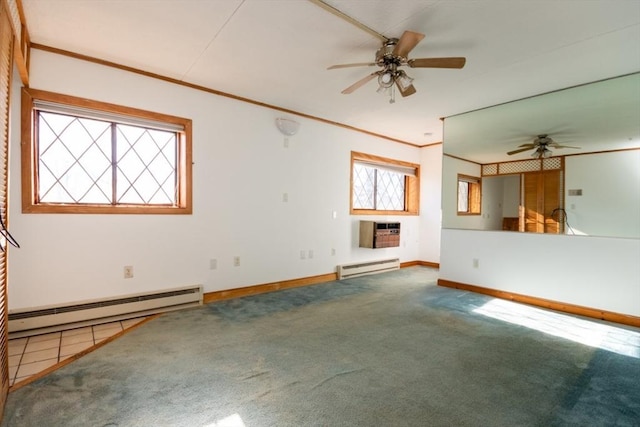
(71, 161)
(390, 190)
(363, 187)
(146, 166)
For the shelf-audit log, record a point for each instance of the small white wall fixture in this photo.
(287, 127)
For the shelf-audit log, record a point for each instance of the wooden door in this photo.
(541, 199)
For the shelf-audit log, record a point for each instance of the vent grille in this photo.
(369, 267)
(56, 318)
(98, 304)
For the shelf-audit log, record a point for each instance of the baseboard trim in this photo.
(209, 297)
(420, 263)
(594, 313)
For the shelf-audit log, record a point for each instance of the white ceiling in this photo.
(277, 51)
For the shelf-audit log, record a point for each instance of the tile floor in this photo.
(31, 355)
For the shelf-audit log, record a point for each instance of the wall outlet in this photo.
(236, 261)
(285, 197)
(128, 271)
(333, 251)
(213, 264)
(476, 263)
(303, 255)
(310, 253)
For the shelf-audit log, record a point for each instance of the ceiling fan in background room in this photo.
(389, 57)
(541, 145)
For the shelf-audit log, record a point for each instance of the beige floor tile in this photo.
(30, 356)
(38, 356)
(71, 349)
(61, 358)
(105, 333)
(77, 331)
(41, 345)
(112, 325)
(29, 369)
(45, 337)
(75, 339)
(13, 370)
(14, 360)
(130, 322)
(17, 346)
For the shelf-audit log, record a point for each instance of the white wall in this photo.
(240, 173)
(430, 203)
(510, 196)
(596, 272)
(610, 201)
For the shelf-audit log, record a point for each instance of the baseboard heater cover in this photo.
(42, 320)
(346, 271)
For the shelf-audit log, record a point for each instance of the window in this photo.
(381, 186)
(469, 195)
(91, 157)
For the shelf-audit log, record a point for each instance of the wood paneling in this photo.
(542, 195)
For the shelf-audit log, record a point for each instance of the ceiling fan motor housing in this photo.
(385, 56)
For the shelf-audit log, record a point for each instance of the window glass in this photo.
(380, 185)
(469, 195)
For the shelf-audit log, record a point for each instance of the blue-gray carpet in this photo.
(384, 350)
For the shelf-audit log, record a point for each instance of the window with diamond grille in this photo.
(91, 157)
(383, 186)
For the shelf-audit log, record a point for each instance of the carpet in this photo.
(391, 349)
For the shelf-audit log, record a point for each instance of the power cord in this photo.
(563, 218)
(7, 235)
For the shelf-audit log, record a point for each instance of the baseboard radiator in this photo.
(35, 321)
(346, 271)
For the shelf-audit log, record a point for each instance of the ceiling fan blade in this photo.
(453, 62)
(520, 150)
(407, 42)
(357, 64)
(530, 145)
(360, 83)
(407, 91)
(564, 146)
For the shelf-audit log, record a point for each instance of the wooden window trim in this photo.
(411, 187)
(29, 158)
(475, 195)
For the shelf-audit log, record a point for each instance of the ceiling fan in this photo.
(541, 146)
(394, 54)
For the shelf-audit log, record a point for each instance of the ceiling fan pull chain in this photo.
(393, 95)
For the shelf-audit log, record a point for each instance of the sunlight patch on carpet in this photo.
(618, 340)
(234, 420)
